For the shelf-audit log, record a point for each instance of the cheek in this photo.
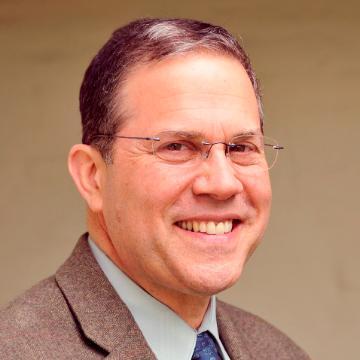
(145, 193)
(258, 189)
(160, 186)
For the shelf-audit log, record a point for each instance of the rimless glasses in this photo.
(182, 147)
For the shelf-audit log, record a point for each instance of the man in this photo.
(173, 169)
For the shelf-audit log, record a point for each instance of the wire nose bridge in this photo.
(205, 154)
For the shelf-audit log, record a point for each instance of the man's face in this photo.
(146, 199)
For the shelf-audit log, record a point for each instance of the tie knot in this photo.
(206, 348)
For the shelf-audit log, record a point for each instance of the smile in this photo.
(208, 227)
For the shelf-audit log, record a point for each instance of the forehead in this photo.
(205, 93)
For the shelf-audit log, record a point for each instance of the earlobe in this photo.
(86, 168)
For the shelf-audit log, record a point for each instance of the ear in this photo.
(87, 168)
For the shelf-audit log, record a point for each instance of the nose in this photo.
(217, 177)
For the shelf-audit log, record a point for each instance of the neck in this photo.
(191, 308)
(98, 233)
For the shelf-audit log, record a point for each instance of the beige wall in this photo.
(305, 276)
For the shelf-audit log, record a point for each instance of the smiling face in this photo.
(147, 201)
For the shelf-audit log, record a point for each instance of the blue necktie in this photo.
(206, 348)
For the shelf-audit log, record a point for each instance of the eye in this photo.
(176, 150)
(244, 147)
(174, 146)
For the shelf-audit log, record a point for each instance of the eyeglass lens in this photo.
(244, 150)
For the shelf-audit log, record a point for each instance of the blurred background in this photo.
(305, 277)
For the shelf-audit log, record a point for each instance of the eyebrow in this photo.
(183, 134)
(197, 134)
(248, 133)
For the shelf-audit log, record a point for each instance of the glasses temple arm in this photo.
(275, 147)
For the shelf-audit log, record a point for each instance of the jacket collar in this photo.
(231, 335)
(100, 313)
(106, 321)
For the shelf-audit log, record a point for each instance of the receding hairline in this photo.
(123, 115)
(139, 42)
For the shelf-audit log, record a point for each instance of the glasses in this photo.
(183, 147)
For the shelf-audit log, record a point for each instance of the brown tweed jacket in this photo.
(76, 314)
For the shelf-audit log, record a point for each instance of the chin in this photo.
(211, 280)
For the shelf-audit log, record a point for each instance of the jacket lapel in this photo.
(100, 313)
(230, 335)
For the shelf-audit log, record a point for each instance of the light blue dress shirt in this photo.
(169, 337)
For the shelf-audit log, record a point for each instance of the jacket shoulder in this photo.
(37, 323)
(262, 340)
(31, 308)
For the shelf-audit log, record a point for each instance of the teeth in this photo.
(196, 226)
(220, 228)
(228, 226)
(189, 225)
(208, 227)
(211, 228)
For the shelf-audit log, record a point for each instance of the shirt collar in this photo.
(168, 336)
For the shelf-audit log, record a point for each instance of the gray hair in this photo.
(141, 42)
